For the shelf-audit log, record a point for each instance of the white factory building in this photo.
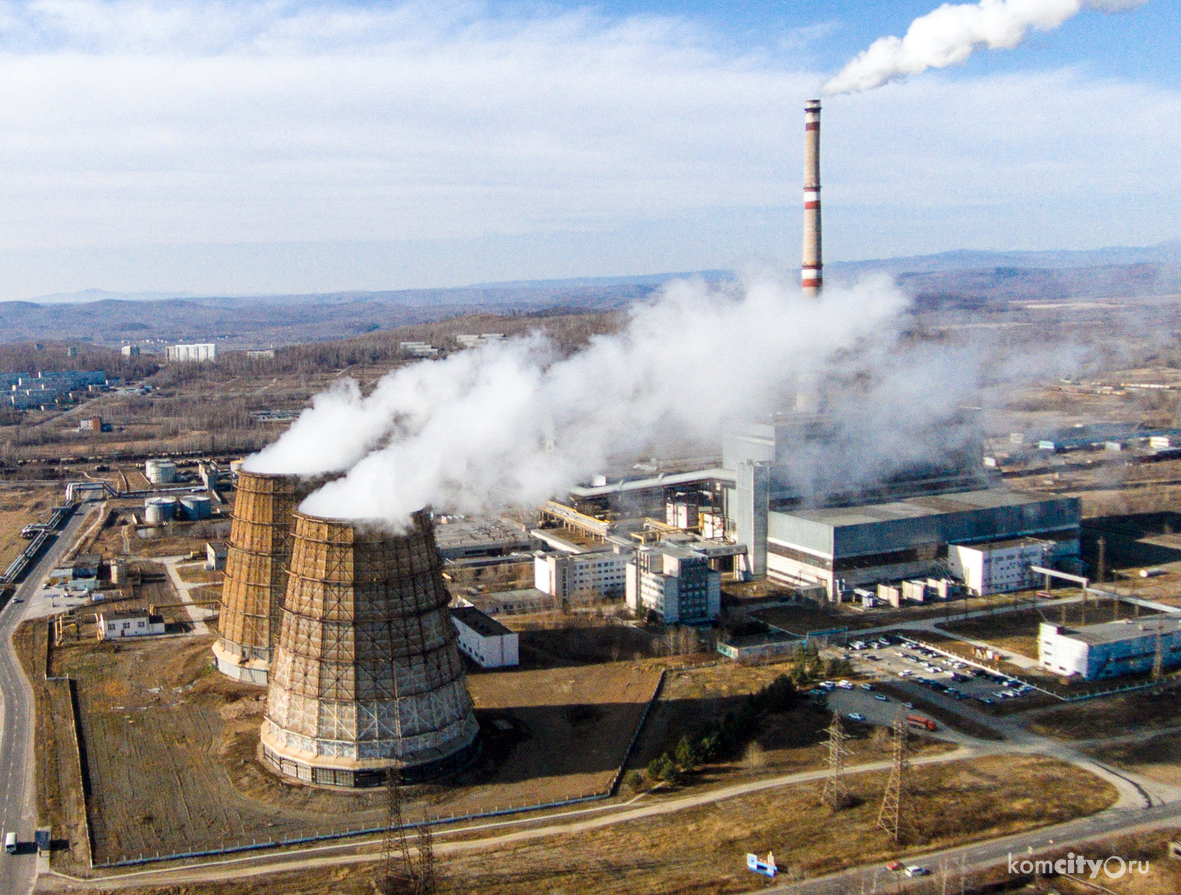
(997, 567)
(1110, 649)
(566, 576)
(484, 640)
(676, 583)
(115, 624)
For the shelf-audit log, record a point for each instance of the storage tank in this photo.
(160, 472)
(367, 674)
(196, 506)
(159, 509)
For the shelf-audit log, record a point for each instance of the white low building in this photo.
(1110, 649)
(484, 640)
(120, 623)
(997, 567)
(676, 583)
(567, 576)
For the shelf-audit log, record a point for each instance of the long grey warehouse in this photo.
(842, 547)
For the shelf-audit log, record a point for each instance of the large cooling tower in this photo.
(366, 674)
(256, 573)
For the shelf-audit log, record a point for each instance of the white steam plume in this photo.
(512, 423)
(952, 32)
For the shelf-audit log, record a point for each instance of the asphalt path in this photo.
(18, 873)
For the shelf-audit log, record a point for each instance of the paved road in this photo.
(18, 872)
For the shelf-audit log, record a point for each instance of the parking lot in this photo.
(895, 657)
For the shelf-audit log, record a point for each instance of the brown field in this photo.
(785, 743)
(1158, 757)
(171, 748)
(701, 850)
(1111, 716)
(1018, 630)
(19, 507)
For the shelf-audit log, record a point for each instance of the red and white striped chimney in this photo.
(811, 274)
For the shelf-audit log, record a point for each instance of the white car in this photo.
(915, 870)
(855, 716)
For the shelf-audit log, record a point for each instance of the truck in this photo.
(10, 843)
(920, 721)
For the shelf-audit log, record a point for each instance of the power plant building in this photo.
(1111, 649)
(998, 567)
(676, 583)
(566, 576)
(366, 674)
(484, 640)
(843, 547)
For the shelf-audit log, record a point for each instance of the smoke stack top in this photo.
(811, 274)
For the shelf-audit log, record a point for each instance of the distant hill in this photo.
(965, 279)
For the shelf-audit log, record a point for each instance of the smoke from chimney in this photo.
(951, 33)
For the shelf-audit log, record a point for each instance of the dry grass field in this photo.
(19, 507)
(1111, 716)
(700, 850)
(171, 749)
(1156, 757)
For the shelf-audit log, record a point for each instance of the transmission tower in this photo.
(894, 818)
(427, 884)
(397, 875)
(836, 787)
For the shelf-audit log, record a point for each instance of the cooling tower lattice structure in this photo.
(367, 674)
(256, 573)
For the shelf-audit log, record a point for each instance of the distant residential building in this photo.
(569, 575)
(90, 424)
(484, 640)
(197, 352)
(130, 351)
(1111, 649)
(676, 583)
(119, 623)
(261, 354)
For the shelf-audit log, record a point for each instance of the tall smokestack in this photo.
(811, 274)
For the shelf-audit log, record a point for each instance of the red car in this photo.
(895, 866)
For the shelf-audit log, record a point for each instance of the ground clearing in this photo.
(1018, 631)
(1111, 716)
(701, 850)
(1158, 758)
(171, 749)
(18, 508)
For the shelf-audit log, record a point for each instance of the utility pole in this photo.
(1101, 564)
(893, 817)
(1158, 660)
(836, 787)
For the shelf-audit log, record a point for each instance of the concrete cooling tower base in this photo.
(366, 673)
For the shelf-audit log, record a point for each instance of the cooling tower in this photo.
(811, 276)
(367, 673)
(256, 573)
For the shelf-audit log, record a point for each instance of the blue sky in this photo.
(155, 145)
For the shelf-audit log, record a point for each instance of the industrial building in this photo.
(197, 352)
(118, 623)
(366, 674)
(843, 547)
(676, 583)
(484, 640)
(997, 567)
(568, 576)
(1112, 649)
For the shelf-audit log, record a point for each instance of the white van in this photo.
(10, 843)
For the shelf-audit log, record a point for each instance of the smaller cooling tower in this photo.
(256, 573)
(366, 674)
